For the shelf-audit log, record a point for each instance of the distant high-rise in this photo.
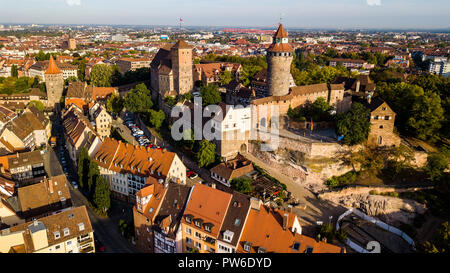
(279, 59)
(54, 82)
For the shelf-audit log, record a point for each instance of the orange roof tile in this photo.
(264, 228)
(208, 204)
(52, 67)
(281, 33)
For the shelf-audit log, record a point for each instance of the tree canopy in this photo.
(242, 184)
(114, 104)
(156, 118)
(354, 125)
(101, 75)
(206, 154)
(138, 100)
(210, 94)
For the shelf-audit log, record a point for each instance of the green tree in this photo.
(93, 175)
(188, 139)
(206, 154)
(83, 168)
(210, 94)
(14, 71)
(354, 125)
(101, 75)
(38, 104)
(171, 101)
(225, 77)
(101, 198)
(436, 164)
(419, 113)
(70, 79)
(138, 100)
(242, 184)
(114, 104)
(156, 118)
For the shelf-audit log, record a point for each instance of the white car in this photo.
(74, 184)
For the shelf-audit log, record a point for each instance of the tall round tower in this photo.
(279, 59)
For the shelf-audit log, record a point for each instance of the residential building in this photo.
(128, 167)
(230, 169)
(69, 231)
(25, 132)
(203, 218)
(102, 120)
(79, 133)
(273, 230)
(47, 197)
(209, 73)
(129, 64)
(441, 68)
(234, 223)
(40, 67)
(350, 63)
(25, 166)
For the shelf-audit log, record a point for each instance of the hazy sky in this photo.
(263, 13)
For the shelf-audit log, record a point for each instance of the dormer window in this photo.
(66, 231)
(57, 234)
(247, 246)
(309, 249)
(80, 226)
(261, 250)
(296, 246)
(188, 218)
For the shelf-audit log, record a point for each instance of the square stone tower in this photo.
(182, 66)
(54, 82)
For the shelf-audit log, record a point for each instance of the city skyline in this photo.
(365, 14)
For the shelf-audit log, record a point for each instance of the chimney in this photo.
(289, 208)
(343, 250)
(324, 239)
(358, 84)
(213, 185)
(285, 221)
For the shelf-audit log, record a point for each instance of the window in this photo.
(380, 140)
(197, 223)
(386, 117)
(69, 243)
(66, 232)
(309, 249)
(381, 126)
(296, 246)
(237, 222)
(81, 226)
(197, 235)
(247, 246)
(57, 247)
(56, 234)
(198, 245)
(188, 231)
(188, 240)
(208, 228)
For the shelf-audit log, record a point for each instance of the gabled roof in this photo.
(208, 204)
(52, 67)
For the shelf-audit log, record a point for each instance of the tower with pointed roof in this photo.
(182, 66)
(279, 59)
(54, 82)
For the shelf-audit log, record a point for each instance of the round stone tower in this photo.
(279, 59)
(54, 82)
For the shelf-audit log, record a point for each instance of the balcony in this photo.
(89, 249)
(84, 240)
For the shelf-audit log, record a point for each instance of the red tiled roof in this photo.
(52, 67)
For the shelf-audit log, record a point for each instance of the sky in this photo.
(404, 14)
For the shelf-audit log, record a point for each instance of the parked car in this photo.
(192, 174)
(75, 185)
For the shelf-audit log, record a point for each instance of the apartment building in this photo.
(69, 231)
(273, 230)
(79, 133)
(440, 68)
(102, 120)
(25, 166)
(128, 64)
(203, 219)
(127, 167)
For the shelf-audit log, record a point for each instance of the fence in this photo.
(376, 222)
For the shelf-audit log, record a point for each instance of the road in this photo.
(106, 229)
